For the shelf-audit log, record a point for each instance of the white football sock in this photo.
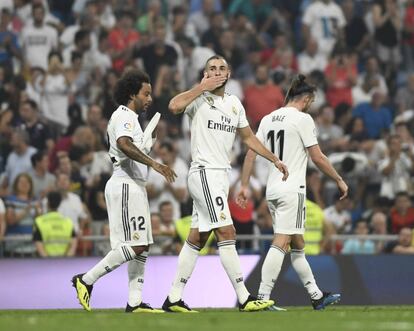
(231, 263)
(111, 261)
(186, 263)
(136, 270)
(270, 271)
(301, 265)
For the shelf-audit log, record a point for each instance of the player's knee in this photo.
(139, 249)
(226, 233)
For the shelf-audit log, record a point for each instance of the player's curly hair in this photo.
(298, 87)
(128, 85)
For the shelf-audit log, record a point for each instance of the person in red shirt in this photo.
(122, 40)
(341, 74)
(262, 97)
(402, 213)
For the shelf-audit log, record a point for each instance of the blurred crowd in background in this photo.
(60, 60)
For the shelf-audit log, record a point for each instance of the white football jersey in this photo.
(124, 122)
(214, 121)
(287, 132)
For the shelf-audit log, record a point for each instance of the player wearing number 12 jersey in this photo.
(290, 133)
(125, 194)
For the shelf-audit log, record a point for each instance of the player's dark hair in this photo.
(81, 35)
(54, 199)
(128, 85)
(38, 6)
(168, 146)
(31, 103)
(164, 203)
(298, 88)
(214, 57)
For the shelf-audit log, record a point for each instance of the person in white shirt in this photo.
(291, 134)
(2, 219)
(38, 39)
(215, 118)
(125, 195)
(311, 59)
(324, 21)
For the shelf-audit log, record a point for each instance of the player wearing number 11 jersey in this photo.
(290, 133)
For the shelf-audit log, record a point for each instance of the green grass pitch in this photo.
(337, 318)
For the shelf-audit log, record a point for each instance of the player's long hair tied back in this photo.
(298, 87)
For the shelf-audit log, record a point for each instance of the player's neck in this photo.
(296, 105)
(131, 106)
(219, 92)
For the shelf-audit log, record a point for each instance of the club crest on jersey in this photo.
(234, 110)
(135, 236)
(222, 216)
(210, 101)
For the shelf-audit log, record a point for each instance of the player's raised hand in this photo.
(213, 82)
(343, 188)
(166, 171)
(242, 196)
(282, 168)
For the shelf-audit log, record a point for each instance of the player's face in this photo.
(218, 67)
(143, 99)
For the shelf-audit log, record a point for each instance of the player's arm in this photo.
(255, 144)
(181, 101)
(126, 145)
(247, 169)
(323, 163)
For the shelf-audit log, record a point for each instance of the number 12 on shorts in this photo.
(138, 223)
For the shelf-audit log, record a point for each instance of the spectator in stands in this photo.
(247, 71)
(324, 21)
(18, 160)
(341, 75)
(157, 53)
(156, 247)
(6, 131)
(200, 18)
(2, 220)
(54, 88)
(38, 40)
(153, 13)
(359, 246)
(405, 95)
(408, 36)
(43, 180)
(339, 216)
(378, 225)
(82, 44)
(122, 40)
(180, 27)
(330, 135)
(373, 72)
(262, 97)
(314, 234)
(40, 133)
(310, 59)
(356, 32)
(404, 243)
(71, 205)
(167, 226)
(9, 46)
(21, 211)
(228, 49)
(396, 168)
(53, 233)
(98, 124)
(377, 118)
(210, 38)
(159, 190)
(402, 213)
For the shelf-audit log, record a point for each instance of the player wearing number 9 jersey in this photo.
(290, 133)
(125, 194)
(215, 117)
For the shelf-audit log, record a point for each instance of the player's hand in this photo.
(166, 171)
(242, 196)
(343, 188)
(282, 168)
(211, 83)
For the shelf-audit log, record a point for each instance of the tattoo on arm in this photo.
(133, 152)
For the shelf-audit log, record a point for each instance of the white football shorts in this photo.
(288, 213)
(209, 189)
(128, 212)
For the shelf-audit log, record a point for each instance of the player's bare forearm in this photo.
(133, 152)
(181, 101)
(254, 144)
(324, 165)
(247, 167)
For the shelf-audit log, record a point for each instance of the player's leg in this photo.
(272, 264)
(319, 299)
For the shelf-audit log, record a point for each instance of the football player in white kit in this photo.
(290, 133)
(215, 118)
(125, 194)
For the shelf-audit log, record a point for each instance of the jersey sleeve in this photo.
(243, 122)
(307, 131)
(124, 125)
(193, 106)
